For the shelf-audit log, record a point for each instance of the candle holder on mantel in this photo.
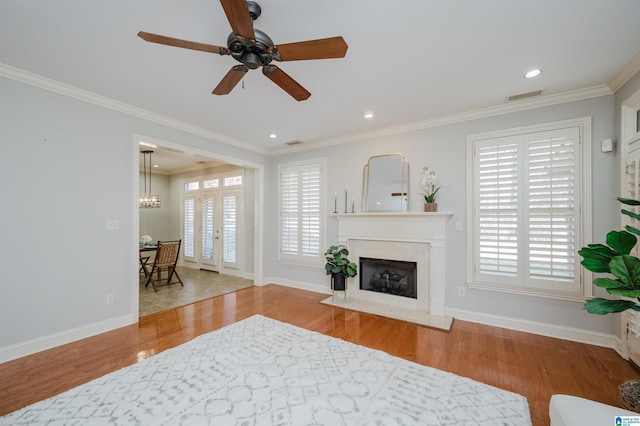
(345, 200)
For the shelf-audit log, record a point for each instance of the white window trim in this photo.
(584, 125)
(315, 262)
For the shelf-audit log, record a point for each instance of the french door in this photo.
(201, 231)
(210, 231)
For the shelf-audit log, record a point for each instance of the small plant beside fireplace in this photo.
(339, 266)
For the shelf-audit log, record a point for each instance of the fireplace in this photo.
(414, 238)
(388, 276)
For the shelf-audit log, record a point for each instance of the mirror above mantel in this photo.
(385, 184)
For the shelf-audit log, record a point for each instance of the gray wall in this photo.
(444, 149)
(67, 166)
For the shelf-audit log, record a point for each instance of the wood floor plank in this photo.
(531, 365)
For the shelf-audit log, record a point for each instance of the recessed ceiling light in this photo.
(273, 136)
(533, 73)
(156, 166)
(368, 115)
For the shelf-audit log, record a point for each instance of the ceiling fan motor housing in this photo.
(251, 54)
(254, 10)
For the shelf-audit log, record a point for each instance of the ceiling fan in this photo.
(254, 48)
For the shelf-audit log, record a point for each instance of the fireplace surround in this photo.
(406, 237)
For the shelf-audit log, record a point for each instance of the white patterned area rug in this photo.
(260, 371)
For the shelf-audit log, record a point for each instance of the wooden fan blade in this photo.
(170, 41)
(238, 16)
(324, 48)
(285, 82)
(230, 80)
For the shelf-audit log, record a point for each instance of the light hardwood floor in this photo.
(531, 365)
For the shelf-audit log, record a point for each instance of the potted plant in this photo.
(614, 257)
(428, 184)
(339, 266)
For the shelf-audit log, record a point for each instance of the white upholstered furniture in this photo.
(567, 410)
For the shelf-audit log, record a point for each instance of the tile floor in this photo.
(198, 285)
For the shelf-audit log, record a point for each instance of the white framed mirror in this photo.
(385, 184)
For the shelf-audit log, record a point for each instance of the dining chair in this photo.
(144, 260)
(166, 259)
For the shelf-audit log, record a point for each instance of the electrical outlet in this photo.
(113, 224)
(461, 291)
(458, 226)
(109, 298)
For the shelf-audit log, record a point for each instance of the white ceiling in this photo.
(408, 60)
(167, 161)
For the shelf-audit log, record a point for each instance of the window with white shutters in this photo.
(301, 213)
(189, 227)
(229, 228)
(526, 190)
(208, 228)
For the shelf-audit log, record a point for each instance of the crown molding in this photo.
(515, 106)
(103, 101)
(629, 70)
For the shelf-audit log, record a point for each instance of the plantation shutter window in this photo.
(189, 227)
(301, 212)
(552, 208)
(631, 189)
(525, 205)
(208, 228)
(310, 212)
(498, 209)
(229, 228)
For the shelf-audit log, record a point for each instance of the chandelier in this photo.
(147, 200)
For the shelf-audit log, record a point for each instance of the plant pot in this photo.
(430, 207)
(338, 282)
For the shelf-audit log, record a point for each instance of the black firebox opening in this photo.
(388, 276)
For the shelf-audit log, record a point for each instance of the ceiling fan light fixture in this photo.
(533, 73)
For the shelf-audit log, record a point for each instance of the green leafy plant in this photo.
(615, 258)
(339, 263)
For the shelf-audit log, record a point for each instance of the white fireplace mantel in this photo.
(410, 226)
(392, 230)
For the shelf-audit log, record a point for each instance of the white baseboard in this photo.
(29, 347)
(543, 329)
(297, 284)
(9, 353)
